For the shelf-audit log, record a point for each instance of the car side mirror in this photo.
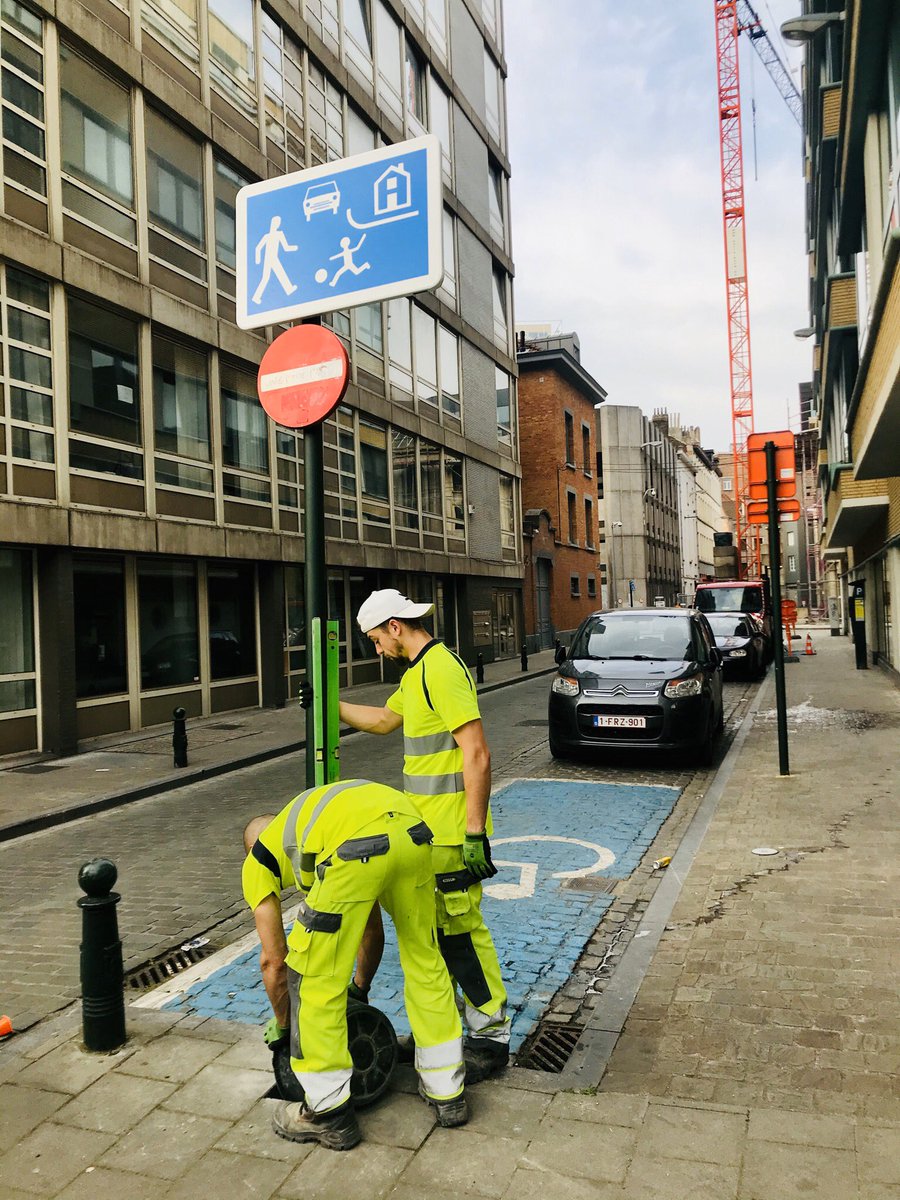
(562, 653)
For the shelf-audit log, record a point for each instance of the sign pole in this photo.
(316, 588)
(775, 560)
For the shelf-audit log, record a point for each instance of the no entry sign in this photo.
(303, 376)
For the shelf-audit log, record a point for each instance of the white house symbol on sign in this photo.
(392, 190)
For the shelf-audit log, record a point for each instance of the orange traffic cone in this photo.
(5, 1027)
(809, 646)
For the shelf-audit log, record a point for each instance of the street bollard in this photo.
(524, 656)
(479, 667)
(179, 737)
(102, 995)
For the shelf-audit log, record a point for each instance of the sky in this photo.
(616, 203)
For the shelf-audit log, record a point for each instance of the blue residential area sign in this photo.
(349, 232)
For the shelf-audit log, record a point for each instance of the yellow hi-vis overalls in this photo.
(436, 696)
(347, 846)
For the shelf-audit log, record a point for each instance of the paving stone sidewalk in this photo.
(759, 1062)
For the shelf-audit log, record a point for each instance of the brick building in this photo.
(557, 442)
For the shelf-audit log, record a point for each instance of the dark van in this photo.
(740, 596)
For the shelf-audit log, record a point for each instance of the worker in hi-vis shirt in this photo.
(447, 773)
(347, 847)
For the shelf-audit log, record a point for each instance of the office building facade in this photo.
(151, 517)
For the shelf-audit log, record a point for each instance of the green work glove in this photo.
(274, 1034)
(477, 856)
(355, 992)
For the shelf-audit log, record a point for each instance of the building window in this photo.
(289, 451)
(575, 587)
(167, 624)
(245, 436)
(571, 501)
(592, 587)
(232, 61)
(448, 284)
(373, 463)
(505, 411)
(283, 96)
(341, 502)
(415, 90)
(27, 365)
(495, 204)
(325, 116)
(589, 532)
(22, 58)
(792, 562)
(358, 38)
(570, 439)
(431, 489)
(507, 515)
(586, 462)
(103, 388)
(400, 350)
(501, 324)
(406, 491)
(727, 482)
(436, 26)
(369, 338)
(231, 596)
(425, 330)
(174, 24)
(387, 54)
(491, 96)
(322, 16)
(454, 505)
(17, 673)
(439, 112)
(226, 184)
(181, 415)
(175, 197)
(101, 662)
(361, 137)
(449, 369)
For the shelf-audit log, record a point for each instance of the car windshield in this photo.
(641, 635)
(728, 626)
(729, 599)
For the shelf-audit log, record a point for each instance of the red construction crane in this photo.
(734, 17)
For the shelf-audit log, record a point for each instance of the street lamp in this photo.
(803, 29)
(613, 587)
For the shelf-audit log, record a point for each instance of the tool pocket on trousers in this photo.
(314, 952)
(457, 904)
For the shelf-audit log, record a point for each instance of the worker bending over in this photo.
(348, 847)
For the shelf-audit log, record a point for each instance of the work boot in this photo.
(406, 1049)
(450, 1113)
(484, 1057)
(336, 1129)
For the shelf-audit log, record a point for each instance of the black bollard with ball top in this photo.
(179, 737)
(102, 994)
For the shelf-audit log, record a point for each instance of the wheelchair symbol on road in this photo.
(528, 870)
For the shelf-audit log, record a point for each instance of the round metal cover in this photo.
(764, 850)
(373, 1048)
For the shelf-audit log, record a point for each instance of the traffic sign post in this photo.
(348, 232)
(775, 560)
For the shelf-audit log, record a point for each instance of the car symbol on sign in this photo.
(320, 197)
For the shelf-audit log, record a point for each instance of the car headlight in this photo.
(564, 687)
(678, 689)
(737, 654)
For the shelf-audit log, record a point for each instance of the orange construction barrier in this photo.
(809, 645)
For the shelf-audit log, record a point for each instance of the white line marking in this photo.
(297, 376)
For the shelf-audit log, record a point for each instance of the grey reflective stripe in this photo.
(318, 922)
(364, 847)
(289, 836)
(433, 785)
(325, 800)
(429, 743)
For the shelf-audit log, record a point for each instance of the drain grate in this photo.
(35, 769)
(532, 724)
(159, 970)
(551, 1047)
(592, 883)
(225, 725)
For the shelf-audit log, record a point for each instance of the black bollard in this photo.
(102, 995)
(479, 667)
(179, 737)
(524, 656)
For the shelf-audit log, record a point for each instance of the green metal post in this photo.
(775, 561)
(332, 748)
(315, 577)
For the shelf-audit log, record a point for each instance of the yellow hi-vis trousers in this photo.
(468, 949)
(381, 864)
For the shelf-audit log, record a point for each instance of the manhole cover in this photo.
(225, 725)
(532, 724)
(592, 883)
(159, 970)
(35, 769)
(551, 1047)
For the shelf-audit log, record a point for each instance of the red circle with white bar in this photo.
(303, 376)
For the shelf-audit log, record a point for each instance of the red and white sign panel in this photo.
(303, 376)
(758, 511)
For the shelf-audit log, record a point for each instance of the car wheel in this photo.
(556, 750)
(707, 749)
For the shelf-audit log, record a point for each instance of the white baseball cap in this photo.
(387, 603)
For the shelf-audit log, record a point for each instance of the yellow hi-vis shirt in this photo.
(436, 696)
(309, 829)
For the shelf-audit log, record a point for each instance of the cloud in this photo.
(616, 206)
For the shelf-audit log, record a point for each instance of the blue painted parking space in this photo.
(549, 834)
